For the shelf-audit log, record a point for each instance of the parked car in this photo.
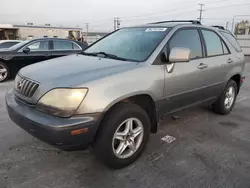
(8, 43)
(33, 51)
(113, 95)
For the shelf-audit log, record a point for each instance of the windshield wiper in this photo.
(111, 56)
(90, 54)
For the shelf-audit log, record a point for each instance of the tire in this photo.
(220, 106)
(105, 145)
(4, 72)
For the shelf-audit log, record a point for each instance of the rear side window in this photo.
(188, 38)
(63, 45)
(76, 47)
(225, 49)
(213, 43)
(231, 40)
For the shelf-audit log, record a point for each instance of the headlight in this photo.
(62, 102)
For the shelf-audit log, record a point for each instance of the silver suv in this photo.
(112, 95)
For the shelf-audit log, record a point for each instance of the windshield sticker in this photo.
(155, 29)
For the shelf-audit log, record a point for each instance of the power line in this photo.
(201, 10)
(167, 12)
(216, 1)
(218, 7)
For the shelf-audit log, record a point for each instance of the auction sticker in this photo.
(155, 29)
(168, 139)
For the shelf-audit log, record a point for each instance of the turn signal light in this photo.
(79, 131)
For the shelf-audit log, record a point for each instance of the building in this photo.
(30, 31)
(242, 34)
(8, 31)
(91, 37)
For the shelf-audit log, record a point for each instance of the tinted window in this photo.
(188, 38)
(63, 45)
(232, 41)
(135, 44)
(37, 46)
(225, 50)
(7, 44)
(76, 47)
(213, 43)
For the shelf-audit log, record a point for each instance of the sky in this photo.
(100, 13)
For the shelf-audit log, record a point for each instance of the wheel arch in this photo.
(237, 79)
(145, 101)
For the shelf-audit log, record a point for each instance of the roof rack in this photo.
(197, 22)
(218, 26)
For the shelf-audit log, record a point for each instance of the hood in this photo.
(74, 70)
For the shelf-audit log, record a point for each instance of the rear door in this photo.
(184, 81)
(218, 63)
(64, 47)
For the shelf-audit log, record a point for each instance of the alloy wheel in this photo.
(230, 96)
(127, 138)
(3, 72)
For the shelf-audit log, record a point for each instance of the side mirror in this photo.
(178, 55)
(26, 50)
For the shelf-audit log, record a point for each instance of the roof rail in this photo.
(218, 26)
(197, 22)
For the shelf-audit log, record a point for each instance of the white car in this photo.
(8, 43)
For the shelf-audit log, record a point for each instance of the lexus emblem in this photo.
(19, 84)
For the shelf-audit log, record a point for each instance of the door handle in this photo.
(230, 60)
(202, 66)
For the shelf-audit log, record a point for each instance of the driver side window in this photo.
(187, 38)
(39, 46)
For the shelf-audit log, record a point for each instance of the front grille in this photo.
(25, 87)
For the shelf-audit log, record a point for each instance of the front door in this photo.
(184, 81)
(39, 51)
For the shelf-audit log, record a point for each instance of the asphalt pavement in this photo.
(209, 150)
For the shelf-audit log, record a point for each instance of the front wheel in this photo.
(123, 135)
(226, 101)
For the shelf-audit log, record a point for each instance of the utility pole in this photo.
(227, 25)
(201, 10)
(87, 31)
(115, 21)
(118, 22)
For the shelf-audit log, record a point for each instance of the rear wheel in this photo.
(4, 72)
(226, 101)
(123, 135)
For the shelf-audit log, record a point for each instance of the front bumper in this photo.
(53, 130)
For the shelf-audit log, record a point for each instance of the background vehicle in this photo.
(8, 43)
(114, 95)
(33, 51)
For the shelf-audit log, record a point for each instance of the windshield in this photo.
(18, 45)
(134, 44)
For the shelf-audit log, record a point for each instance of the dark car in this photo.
(8, 43)
(33, 51)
